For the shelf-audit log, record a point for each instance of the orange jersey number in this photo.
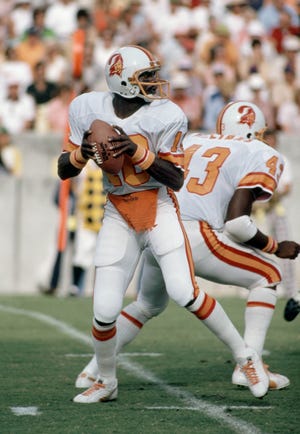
(212, 169)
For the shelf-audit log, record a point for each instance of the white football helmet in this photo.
(123, 73)
(241, 118)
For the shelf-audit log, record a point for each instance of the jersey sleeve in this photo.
(263, 170)
(170, 146)
(76, 130)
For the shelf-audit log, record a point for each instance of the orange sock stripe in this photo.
(132, 319)
(206, 307)
(260, 304)
(238, 258)
(104, 335)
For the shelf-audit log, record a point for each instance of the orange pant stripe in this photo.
(187, 246)
(238, 258)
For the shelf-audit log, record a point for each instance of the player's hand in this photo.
(288, 250)
(86, 147)
(122, 144)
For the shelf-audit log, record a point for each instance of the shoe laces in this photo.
(250, 372)
(96, 386)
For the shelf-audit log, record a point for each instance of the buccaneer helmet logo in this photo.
(248, 115)
(116, 64)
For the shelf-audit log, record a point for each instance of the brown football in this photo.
(103, 156)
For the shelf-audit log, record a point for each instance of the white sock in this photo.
(212, 314)
(258, 315)
(105, 351)
(129, 323)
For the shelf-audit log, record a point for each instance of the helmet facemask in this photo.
(150, 84)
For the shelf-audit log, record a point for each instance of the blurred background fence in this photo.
(29, 216)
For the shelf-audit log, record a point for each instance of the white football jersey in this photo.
(158, 126)
(216, 165)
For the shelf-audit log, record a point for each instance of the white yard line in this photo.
(216, 412)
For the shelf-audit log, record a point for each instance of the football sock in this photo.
(258, 315)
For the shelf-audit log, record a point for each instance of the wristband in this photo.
(143, 158)
(271, 246)
(77, 160)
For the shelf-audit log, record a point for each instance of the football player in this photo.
(226, 173)
(141, 210)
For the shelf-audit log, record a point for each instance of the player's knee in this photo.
(150, 309)
(106, 310)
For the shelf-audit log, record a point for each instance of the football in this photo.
(103, 156)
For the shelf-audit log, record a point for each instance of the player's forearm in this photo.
(65, 168)
(166, 173)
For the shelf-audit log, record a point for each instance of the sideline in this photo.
(217, 413)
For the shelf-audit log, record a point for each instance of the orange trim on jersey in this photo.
(206, 307)
(177, 159)
(260, 304)
(132, 319)
(188, 249)
(238, 258)
(104, 335)
(262, 179)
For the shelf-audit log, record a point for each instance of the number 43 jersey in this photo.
(217, 165)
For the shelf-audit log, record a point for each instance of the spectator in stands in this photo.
(17, 109)
(269, 14)
(256, 53)
(61, 18)
(288, 115)
(10, 157)
(215, 96)
(235, 19)
(284, 29)
(57, 67)
(260, 95)
(56, 112)
(41, 89)
(282, 91)
(220, 38)
(13, 67)
(32, 50)
(189, 103)
(20, 18)
(291, 55)
(38, 24)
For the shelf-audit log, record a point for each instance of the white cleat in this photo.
(84, 380)
(99, 392)
(255, 374)
(276, 381)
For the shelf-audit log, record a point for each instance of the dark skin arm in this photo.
(241, 204)
(162, 170)
(65, 169)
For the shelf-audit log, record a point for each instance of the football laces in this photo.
(97, 155)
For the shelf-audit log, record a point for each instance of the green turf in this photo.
(38, 371)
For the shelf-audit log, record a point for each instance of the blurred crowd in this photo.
(212, 51)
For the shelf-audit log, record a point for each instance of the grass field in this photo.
(173, 379)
